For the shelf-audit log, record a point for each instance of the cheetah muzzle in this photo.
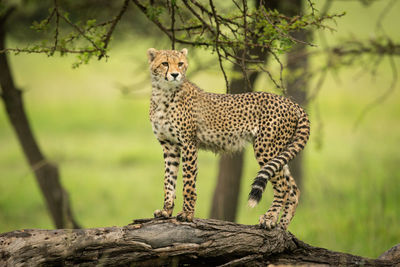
(185, 118)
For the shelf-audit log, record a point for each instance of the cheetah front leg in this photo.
(171, 162)
(189, 168)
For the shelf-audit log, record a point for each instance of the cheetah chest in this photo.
(162, 116)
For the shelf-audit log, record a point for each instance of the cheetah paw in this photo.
(161, 214)
(185, 216)
(283, 224)
(267, 221)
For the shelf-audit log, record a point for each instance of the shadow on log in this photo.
(158, 242)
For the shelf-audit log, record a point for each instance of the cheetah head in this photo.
(168, 66)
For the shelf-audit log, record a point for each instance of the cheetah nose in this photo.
(174, 75)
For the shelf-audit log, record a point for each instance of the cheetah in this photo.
(185, 118)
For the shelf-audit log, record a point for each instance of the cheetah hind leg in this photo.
(293, 194)
(270, 218)
(185, 216)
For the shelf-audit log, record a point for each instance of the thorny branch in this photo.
(294, 40)
(96, 36)
(244, 52)
(228, 33)
(114, 22)
(211, 34)
(218, 31)
(171, 5)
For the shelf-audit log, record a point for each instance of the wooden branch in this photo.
(156, 242)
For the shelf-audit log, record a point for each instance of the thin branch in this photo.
(57, 25)
(79, 30)
(318, 86)
(282, 85)
(165, 30)
(211, 14)
(244, 53)
(173, 24)
(208, 26)
(188, 28)
(261, 67)
(88, 29)
(313, 9)
(107, 37)
(217, 47)
(382, 15)
(183, 21)
(237, 6)
(295, 40)
(47, 50)
(381, 98)
(371, 47)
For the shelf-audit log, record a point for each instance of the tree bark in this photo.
(166, 242)
(46, 173)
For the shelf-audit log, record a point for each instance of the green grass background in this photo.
(112, 166)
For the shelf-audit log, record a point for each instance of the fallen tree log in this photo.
(158, 242)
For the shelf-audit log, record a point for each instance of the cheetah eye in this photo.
(165, 64)
(180, 64)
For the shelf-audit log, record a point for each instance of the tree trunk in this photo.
(226, 193)
(297, 81)
(167, 242)
(46, 173)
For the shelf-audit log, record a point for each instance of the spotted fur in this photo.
(185, 118)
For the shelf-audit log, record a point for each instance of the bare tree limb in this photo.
(382, 97)
(386, 46)
(155, 242)
(217, 48)
(114, 23)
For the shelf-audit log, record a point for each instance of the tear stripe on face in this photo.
(166, 73)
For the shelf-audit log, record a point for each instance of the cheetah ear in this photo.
(184, 51)
(151, 53)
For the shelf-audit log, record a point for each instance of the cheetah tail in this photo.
(276, 164)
